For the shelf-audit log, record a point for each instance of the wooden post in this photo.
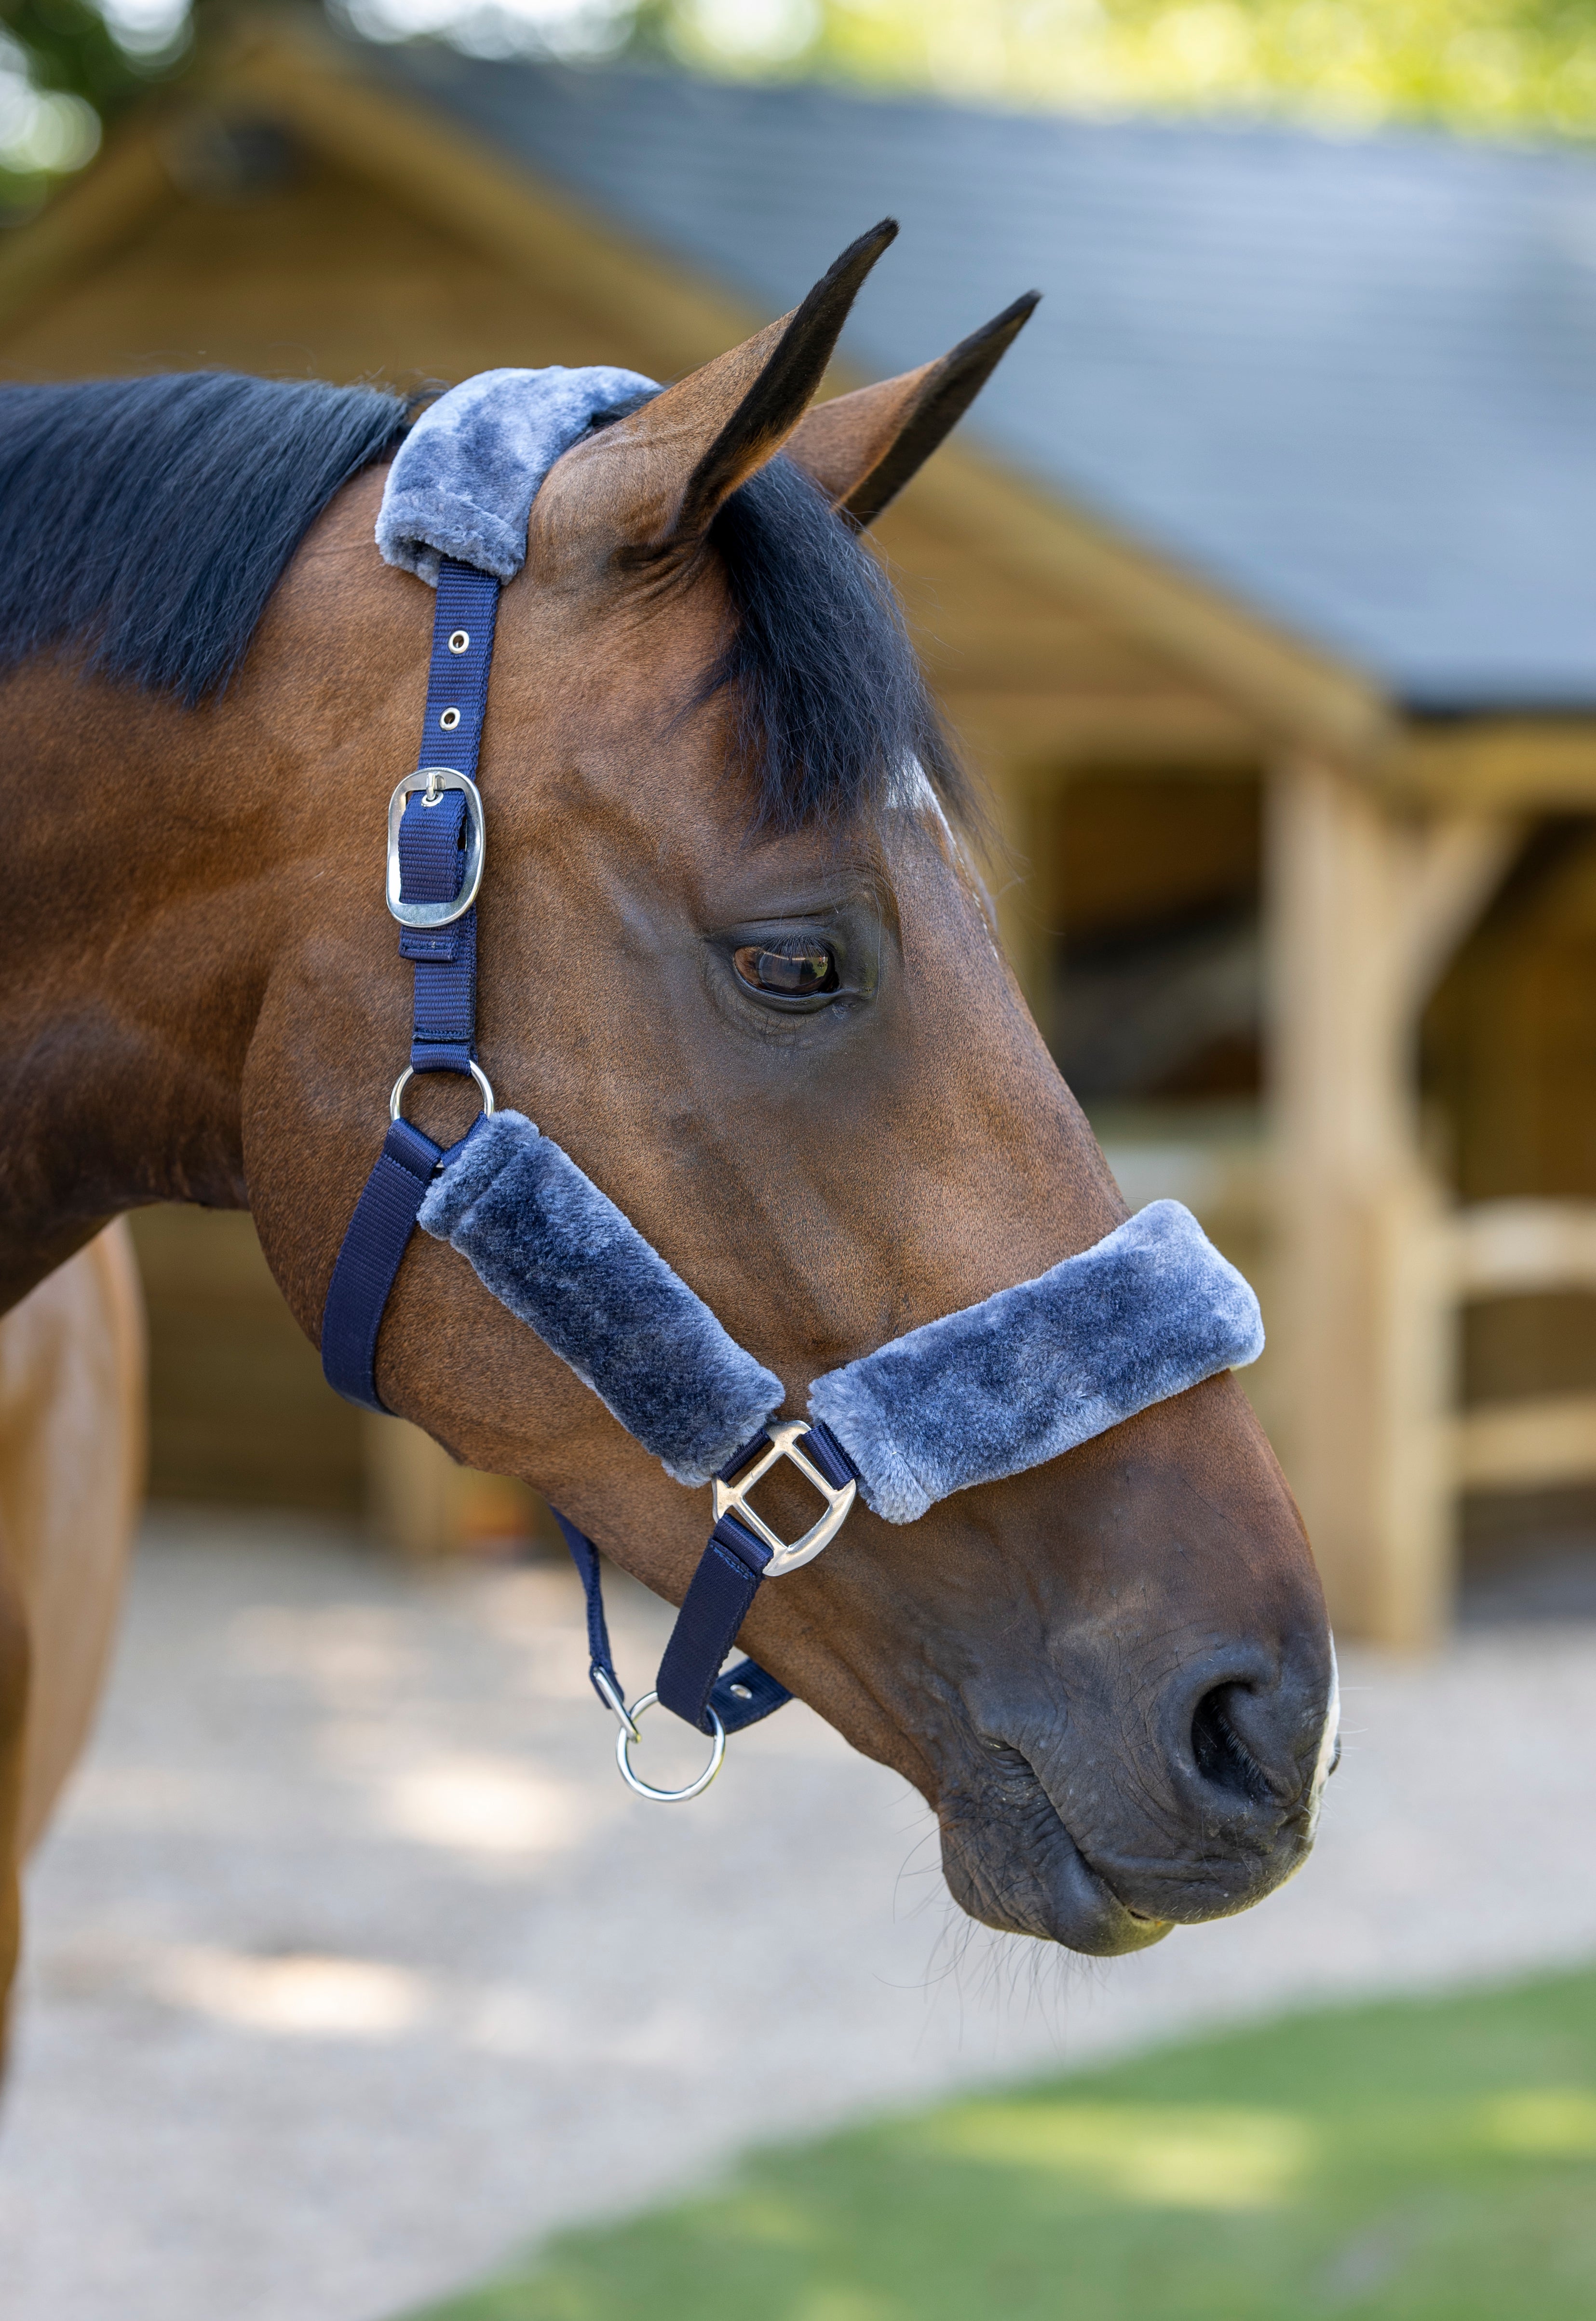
(410, 1487)
(420, 1501)
(1365, 907)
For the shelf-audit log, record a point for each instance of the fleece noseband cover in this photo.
(1033, 1371)
(1023, 1376)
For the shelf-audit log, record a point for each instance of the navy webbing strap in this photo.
(741, 1697)
(378, 1232)
(444, 1034)
(431, 837)
(722, 1589)
(713, 1609)
(821, 1445)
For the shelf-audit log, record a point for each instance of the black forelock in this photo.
(831, 708)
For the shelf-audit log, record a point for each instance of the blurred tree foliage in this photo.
(65, 67)
(71, 46)
(1520, 65)
(1516, 66)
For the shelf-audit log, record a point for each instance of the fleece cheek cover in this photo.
(565, 1259)
(1032, 1372)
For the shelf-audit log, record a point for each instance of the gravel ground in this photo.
(352, 1963)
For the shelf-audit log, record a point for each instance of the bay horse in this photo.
(707, 743)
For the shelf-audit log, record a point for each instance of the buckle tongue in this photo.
(785, 1437)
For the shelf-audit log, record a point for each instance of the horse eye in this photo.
(788, 974)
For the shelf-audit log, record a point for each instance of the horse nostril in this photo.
(1222, 1757)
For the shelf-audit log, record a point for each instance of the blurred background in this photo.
(1260, 587)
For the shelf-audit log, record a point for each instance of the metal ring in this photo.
(408, 1074)
(667, 1796)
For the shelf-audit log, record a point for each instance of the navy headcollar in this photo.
(1001, 1386)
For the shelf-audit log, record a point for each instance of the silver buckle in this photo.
(732, 1498)
(432, 781)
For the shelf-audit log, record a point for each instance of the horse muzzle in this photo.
(1069, 1827)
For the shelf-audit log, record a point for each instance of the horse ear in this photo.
(862, 448)
(690, 448)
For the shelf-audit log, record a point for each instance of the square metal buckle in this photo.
(732, 1499)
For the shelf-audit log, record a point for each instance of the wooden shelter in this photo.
(1173, 589)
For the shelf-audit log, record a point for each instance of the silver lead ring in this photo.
(408, 1074)
(624, 1740)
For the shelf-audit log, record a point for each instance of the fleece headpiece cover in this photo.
(1023, 1376)
(464, 479)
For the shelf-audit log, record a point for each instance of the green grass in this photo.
(1415, 2161)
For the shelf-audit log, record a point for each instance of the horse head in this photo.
(735, 959)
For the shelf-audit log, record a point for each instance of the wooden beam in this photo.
(1459, 860)
(665, 319)
(1506, 1249)
(1288, 691)
(1508, 765)
(1058, 733)
(1367, 901)
(1522, 1445)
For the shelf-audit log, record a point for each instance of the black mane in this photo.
(146, 522)
(149, 520)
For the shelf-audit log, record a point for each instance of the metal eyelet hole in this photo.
(740, 1692)
(449, 720)
(458, 641)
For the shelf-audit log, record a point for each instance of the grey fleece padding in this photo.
(1034, 1370)
(464, 479)
(562, 1257)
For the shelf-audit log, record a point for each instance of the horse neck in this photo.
(143, 849)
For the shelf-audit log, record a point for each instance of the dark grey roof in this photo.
(1353, 380)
